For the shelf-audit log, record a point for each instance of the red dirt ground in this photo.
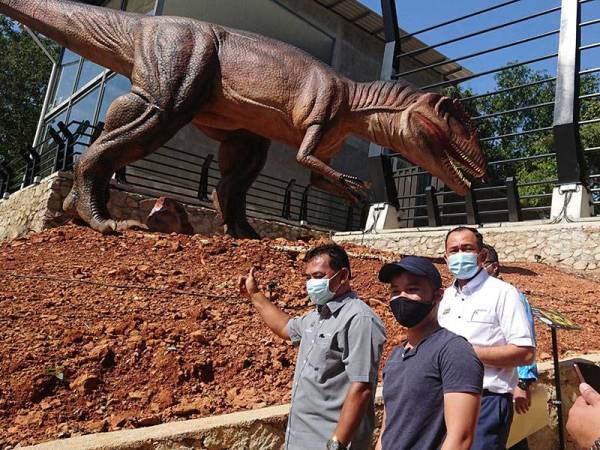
(106, 332)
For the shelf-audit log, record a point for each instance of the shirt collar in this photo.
(413, 351)
(473, 284)
(335, 304)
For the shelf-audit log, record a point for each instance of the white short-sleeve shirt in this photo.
(488, 313)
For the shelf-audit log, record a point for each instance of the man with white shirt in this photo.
(489, 314)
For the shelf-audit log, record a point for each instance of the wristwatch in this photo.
(334, 444)
(596, 445)
(524, 384)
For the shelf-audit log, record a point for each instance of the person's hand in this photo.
(522, 399)
(584, 417)
(248, 285)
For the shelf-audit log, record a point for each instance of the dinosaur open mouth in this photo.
(460, 153)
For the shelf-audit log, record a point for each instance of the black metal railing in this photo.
(186, 176)
(538, 127)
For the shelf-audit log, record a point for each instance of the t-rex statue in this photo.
(243, 90)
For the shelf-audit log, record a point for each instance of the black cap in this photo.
(416, 265)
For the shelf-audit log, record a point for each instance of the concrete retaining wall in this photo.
(39, 207)
(574, 246)
(264, 429)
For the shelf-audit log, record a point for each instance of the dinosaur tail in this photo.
(102, 35)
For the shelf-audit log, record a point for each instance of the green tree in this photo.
(24, 73)
(500, 115)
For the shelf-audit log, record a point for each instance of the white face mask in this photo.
(318, 290)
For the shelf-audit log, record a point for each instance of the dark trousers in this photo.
(494, 423)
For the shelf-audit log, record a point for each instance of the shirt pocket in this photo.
(483, 317)
(319, 360)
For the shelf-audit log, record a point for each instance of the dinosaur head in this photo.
(437, 134)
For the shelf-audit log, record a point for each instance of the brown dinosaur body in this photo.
(243, 90)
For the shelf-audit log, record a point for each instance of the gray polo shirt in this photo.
(340, 343)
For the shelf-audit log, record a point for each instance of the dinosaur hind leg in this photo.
(242, 155)
(134, 128)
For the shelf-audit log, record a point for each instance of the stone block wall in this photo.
(264, 429)
(39, 207)
(573, 246)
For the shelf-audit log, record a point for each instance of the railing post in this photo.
(121, 175)
(32, 161)
(98, 129)
(287, 199)
(203, 184)
(67, 159)
(513, 201)
(304, 204)
(364, 215)
(380, 167)
(569, 156)
(59, 151)
(471, 208)
(433, 212)
(349, 217)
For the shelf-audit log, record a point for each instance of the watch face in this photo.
(333, 445)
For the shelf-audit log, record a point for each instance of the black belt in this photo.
(487, 393)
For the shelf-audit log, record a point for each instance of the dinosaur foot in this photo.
(241, 230)
(87, 210)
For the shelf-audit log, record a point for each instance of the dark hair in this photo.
(338, 258)
(477, 234)
(492, 253)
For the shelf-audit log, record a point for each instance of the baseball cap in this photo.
(417, 265)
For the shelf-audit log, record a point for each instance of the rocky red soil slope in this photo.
(104, 332)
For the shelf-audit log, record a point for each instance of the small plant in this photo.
(57, 371)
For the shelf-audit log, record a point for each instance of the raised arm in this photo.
(273, 317)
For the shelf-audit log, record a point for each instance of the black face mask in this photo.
(409, 312)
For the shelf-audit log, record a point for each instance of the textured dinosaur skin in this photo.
(243, 90)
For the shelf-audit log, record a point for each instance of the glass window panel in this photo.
(68, 74)
(53, 122)
(48, 150)
(69, 57)
(141, 6)
(113, 4)
(84, 109)
(114, 88)
(89, 71)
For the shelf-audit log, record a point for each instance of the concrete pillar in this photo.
(571, 201)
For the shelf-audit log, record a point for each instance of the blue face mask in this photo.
(463, 265)
(318, 290)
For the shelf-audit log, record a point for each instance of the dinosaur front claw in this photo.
(355, 187)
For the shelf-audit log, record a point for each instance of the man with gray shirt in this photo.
(340, 346)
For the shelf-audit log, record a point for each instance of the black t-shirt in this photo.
(414, 384)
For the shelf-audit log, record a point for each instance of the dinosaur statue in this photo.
(243, 90)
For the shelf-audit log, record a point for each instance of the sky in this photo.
(416, 15)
